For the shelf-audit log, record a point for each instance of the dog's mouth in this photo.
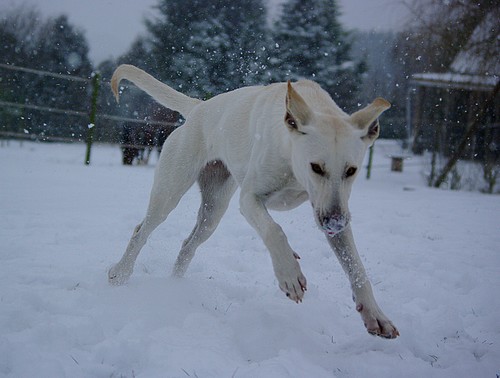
(333, 224)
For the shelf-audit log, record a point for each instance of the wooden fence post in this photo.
(93, 111)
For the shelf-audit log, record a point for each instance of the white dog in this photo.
(281, 144)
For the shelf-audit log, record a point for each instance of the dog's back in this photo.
(267, 100)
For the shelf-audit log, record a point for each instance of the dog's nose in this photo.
(334, 224)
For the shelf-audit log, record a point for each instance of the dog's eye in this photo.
(351, 171)
(290, 121)
(318, 169)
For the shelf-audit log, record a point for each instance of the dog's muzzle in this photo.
(334, 224)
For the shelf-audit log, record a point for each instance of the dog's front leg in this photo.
(375, 321)
(286, 268)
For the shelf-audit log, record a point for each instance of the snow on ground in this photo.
(433, 257)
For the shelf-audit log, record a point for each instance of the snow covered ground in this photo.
(433, 257)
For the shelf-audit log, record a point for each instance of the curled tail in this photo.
(162, 93)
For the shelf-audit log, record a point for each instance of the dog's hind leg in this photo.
(176, 172)
(217, 187)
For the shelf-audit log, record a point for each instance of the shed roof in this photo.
(477, 65)
(481, 54)
(456, 81)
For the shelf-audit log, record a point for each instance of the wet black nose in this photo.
(334, 224)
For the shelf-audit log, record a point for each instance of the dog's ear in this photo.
(297, 112)
(366, 119)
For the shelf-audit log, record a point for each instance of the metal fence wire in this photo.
(47, 106)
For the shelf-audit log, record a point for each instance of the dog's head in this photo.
(328, 148)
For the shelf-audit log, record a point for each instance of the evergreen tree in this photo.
(19, 29)
(207, 47)
(247, 27)
(62, 48)
(170, 31)
(136, 106)
(139, 54)
(310, 43)
(53, 45)
(382, 78)
(202, 67)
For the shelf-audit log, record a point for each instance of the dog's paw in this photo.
(117, 275)
(377, 323)
(293, 283)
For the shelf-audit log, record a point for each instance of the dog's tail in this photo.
(162, 93)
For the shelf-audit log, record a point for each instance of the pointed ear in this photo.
(297, 112)
(373, 132)
(366, 119)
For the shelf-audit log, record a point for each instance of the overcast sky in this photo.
(111, 25)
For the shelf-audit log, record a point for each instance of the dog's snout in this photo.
(334, 223)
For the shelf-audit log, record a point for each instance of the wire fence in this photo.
(15, 102)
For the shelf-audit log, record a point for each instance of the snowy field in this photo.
(433, 257)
